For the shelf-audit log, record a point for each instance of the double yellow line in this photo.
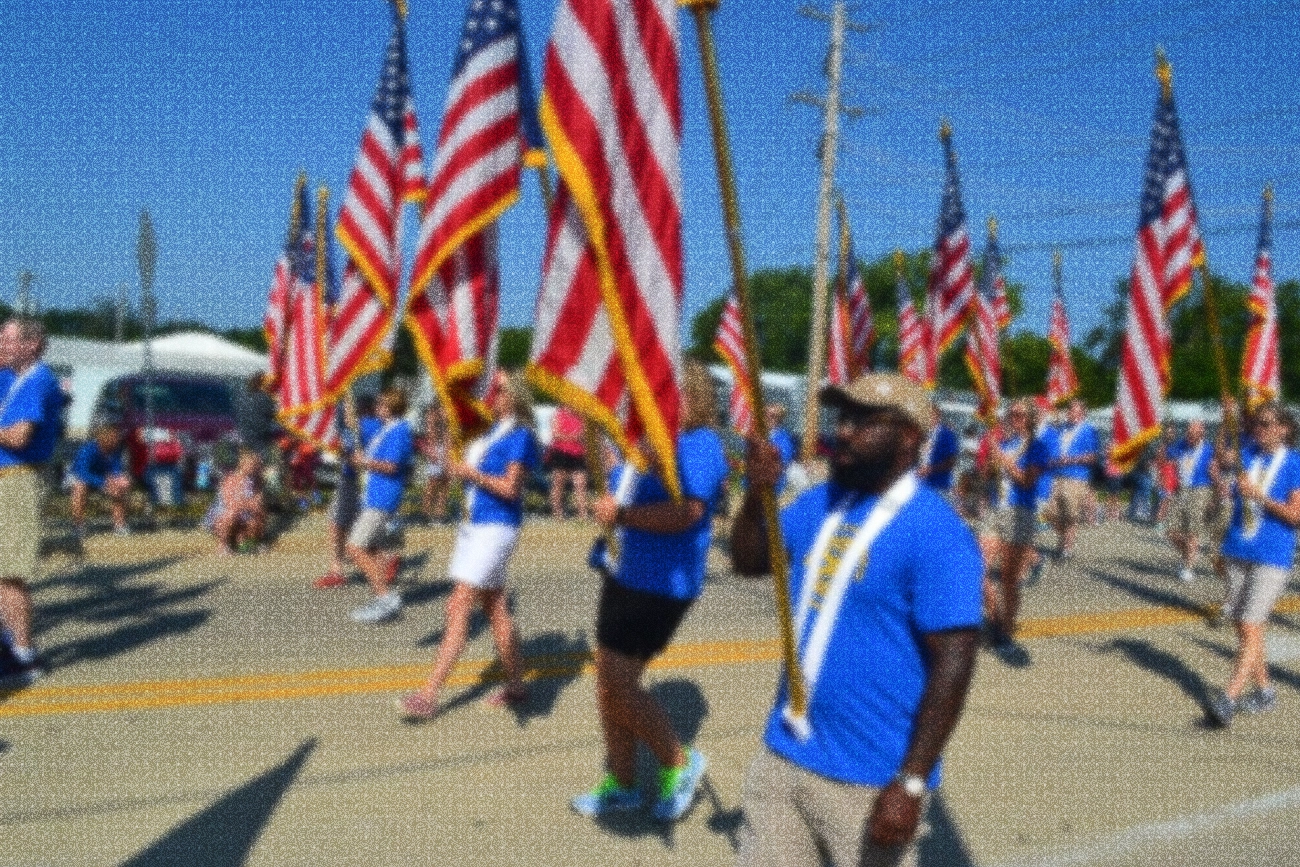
(327, 683)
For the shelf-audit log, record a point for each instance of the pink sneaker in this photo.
(416, 708)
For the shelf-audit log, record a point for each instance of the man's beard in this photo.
(862, 475)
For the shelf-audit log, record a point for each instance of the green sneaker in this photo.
(606, 799)
(677, 787)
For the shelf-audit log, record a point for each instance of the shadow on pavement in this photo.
(139, 612)
(1229, 652)
(1154, 595)
(552, 661)
(1168, 666)
(223, 834)
(943, 846)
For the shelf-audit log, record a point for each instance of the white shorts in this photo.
(1253, 590)
(481, 554)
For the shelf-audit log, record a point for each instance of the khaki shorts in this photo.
(21, 492)
(1015, 525)
(1190, 508)
(1070, 501)
(792, 815)
(375, 530)
(1253, 590)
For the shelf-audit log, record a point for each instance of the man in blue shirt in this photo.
(98, 466)
(939, 455)
(886, 630)
(31, 406)
(1192, 456)
(1077, 450)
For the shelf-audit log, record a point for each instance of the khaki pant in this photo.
(1070, 501)
(791, 813)
(21, 491)
(1191, 505)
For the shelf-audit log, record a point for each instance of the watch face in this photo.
(914, 786)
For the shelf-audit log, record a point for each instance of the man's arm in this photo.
(17, 435)
(749, 552)
(951, 658)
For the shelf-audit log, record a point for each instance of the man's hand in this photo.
(604, 510)
(895, 816)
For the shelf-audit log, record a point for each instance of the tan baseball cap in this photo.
(884, 389)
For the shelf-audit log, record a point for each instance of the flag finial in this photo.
(1056, 260)
(899, 261)
(400, 6)
(295, 209)
(945, 131)
(1164, 73)
(993, 227)
(1268, 193)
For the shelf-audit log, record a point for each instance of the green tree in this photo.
(512, 351)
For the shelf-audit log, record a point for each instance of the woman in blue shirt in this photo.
(646, 590)
(494, 468)
(1260, 551)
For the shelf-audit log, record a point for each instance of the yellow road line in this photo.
(326, 683)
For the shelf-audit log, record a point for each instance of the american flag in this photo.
(275, 320)
(486, 128)
(1062, 384)
(837, 342)
(1261, 369)
(304, 407)
(983, 357)
(730, 344)
(952, 284)
(862, 323)
(388, 171)
(914, 358)
(852, 329)
(1168, 246)
(609, 309)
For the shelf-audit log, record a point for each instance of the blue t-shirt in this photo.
(672, 564)
(1200, 464)
(36, 398)
(1274, 543)
(784, 443)
(1037, 454)
(367, 427)
(1085, 442)
(93, 467)
(1050, 437)
(396, 445)
(923, 575)
(946, 447)
(519, 446)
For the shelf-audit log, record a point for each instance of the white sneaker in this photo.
(1187, 576)
(379, 610)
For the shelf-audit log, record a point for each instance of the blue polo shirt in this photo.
(384, 490)
(1050, 437)
(349, 442)
(1274, 543)
(672, 564)
(36, 398)
(923, 574)
(1036, 455)
(780, 437)
(1085, 442)
(945, 448)
(517, 447)
(1200, 476)
(93, 467)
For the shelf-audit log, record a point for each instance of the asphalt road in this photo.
(214, 711)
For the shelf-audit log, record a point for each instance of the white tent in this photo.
(86, 365)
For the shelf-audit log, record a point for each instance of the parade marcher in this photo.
(495, 471)
(886, 577)
(1077, 451)
(1021, 460)
(374, 541)
(784, 443)
(939, 455)
(1166, 479)
(238, 514)
(566, 461)
(31, 407)
(360, 424)
(99, 466)
(1192, 457)
(649, 581)
(1260, 551)
(432, 447)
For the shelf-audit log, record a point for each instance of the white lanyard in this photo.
(1067, 439)
(478, 450)
(824, 593)
(1016, 452)
(927, 451)
(1262, 478)
(15, 387)
(1187, 466)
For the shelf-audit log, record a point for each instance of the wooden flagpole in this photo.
(701, 9)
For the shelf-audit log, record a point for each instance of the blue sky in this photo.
(204, 113)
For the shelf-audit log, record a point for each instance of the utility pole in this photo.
(24, 305)
(146, 253)
(839, 22)
(119, 314)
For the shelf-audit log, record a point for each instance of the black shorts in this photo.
(565, 463)
(635, 623)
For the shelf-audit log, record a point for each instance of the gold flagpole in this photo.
(1165, 74)
(701, 10)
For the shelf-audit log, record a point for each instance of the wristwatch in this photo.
(912, 784)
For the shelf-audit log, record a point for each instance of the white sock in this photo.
(24, 654)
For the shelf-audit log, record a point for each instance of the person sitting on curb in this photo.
(238, 517)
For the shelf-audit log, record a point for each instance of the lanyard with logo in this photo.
(825, 583)
(478, 450)
(1262, 477)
